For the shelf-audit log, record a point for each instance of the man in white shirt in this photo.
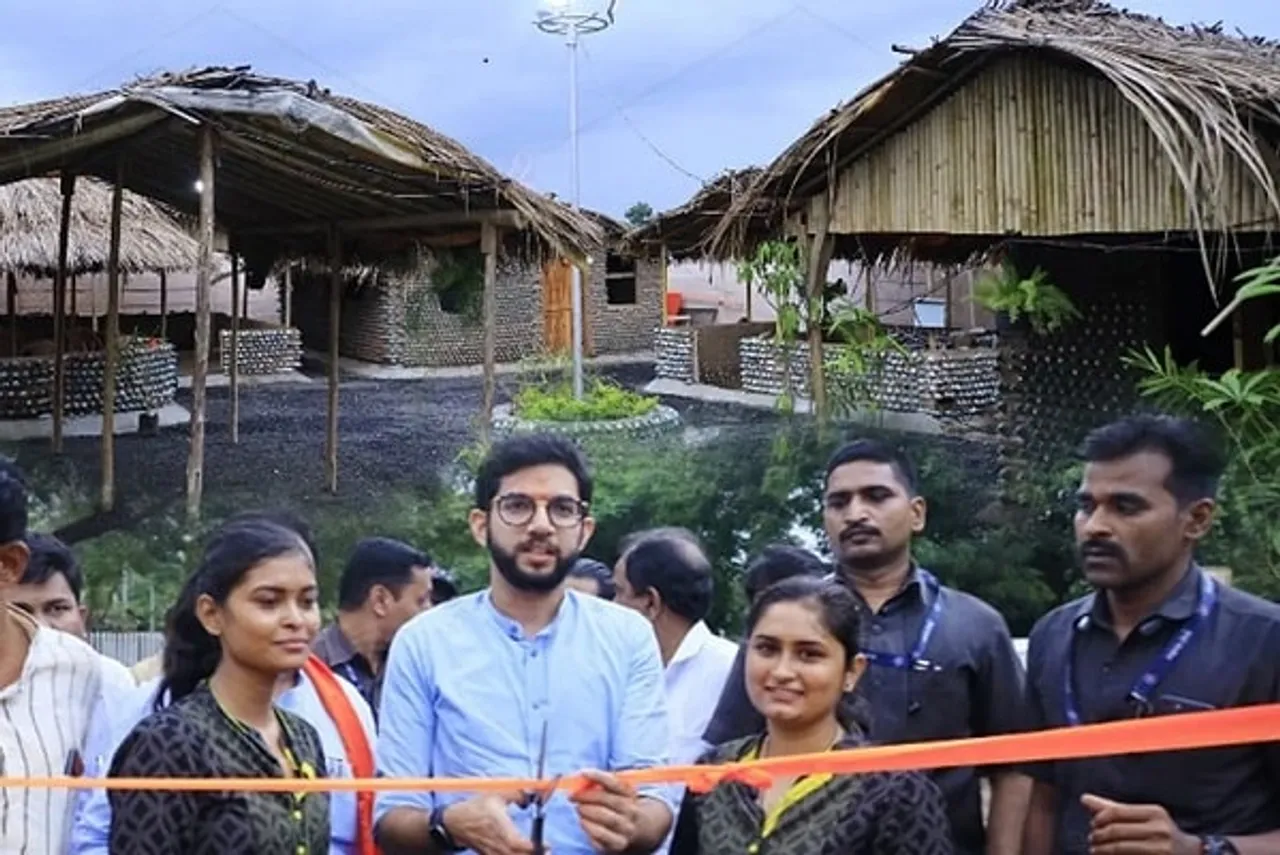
(664, 574)
(49, 683)
(50, 591)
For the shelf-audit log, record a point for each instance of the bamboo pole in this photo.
(819, 260)
(233, 366)
(164, 306)
(109, 375)
(665, 260)
(11, 292)
(59, 310)
(489, 247)
(335, 318)
(288, 295)
(200, 369)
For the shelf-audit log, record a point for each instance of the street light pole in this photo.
(564, 19)
(575, 287)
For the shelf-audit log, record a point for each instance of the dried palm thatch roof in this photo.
(685, 230)
(293, 159)
(1206, 95)
(150, 237)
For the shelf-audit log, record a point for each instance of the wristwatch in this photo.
(440, 836)
(1214, 844)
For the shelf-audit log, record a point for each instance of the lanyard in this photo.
(1159, 669)
(915, 661)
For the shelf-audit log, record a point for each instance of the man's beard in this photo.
(522, 580)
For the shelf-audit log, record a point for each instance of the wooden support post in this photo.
(164, 306)
(59, 311)
(11, 291)
(819, 260)
(335, 318)
(232, 361)
(288, 295)
(108, 498)
(489, 247)
(200, 369)
(74, 301)
(665, 260)
(244, 303)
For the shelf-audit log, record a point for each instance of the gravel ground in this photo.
(393, 434)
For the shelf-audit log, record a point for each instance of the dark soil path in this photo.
(393, 435)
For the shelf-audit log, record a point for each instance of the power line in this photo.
(323, 66)
(668, 159)
(147, 45)
(842, 30)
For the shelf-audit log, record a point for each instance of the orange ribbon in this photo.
(1187, 731)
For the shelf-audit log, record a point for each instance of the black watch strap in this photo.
(1216, 845)
(440, 835)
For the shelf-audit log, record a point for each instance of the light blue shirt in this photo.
(466, 695)
(117, 716)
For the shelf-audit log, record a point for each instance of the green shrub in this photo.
(601, 401)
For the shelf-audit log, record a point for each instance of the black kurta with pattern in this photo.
(194, 738)
(897, 813)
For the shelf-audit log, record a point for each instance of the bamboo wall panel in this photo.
(1036, 148)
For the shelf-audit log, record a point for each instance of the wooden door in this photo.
(557, 309)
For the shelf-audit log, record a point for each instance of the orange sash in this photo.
(354, 740)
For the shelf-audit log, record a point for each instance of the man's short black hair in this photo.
(589, 568)
(875, 451)
(627, 541)
(444, 586)
(673, 563)
(525, 451)
(378, 561)
(777, 562)
(50, 556)
(13, 502)
(1196, 460)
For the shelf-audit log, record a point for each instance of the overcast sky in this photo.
(677, 91)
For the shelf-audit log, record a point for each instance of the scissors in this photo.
(539, 798)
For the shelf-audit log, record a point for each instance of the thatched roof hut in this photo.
(1078, 118)
(294, 160)
(684, 230)
(151, 239)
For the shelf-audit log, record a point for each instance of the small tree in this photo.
(777, 269)
(639, 214)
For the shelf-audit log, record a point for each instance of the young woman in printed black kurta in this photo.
(247, 615)
(802, 657)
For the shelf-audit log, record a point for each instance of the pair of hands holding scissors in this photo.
(609, 813)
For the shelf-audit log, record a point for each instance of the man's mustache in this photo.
(859, 530)
(1102, 549)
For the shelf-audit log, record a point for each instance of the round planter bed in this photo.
(657, 422)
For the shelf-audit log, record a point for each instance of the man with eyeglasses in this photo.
(522, 679)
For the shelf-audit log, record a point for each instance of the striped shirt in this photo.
(44, 717)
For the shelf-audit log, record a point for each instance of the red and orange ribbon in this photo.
(1187, 731)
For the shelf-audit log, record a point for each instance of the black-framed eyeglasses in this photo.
(517, 509)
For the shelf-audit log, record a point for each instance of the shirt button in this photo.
(534, 654)
(877, 628)
(302, 850)
(297, 815)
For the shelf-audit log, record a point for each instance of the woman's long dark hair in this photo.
(190, 653)
(837, 607)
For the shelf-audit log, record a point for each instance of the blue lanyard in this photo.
(915, 661)
(1159, 669)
